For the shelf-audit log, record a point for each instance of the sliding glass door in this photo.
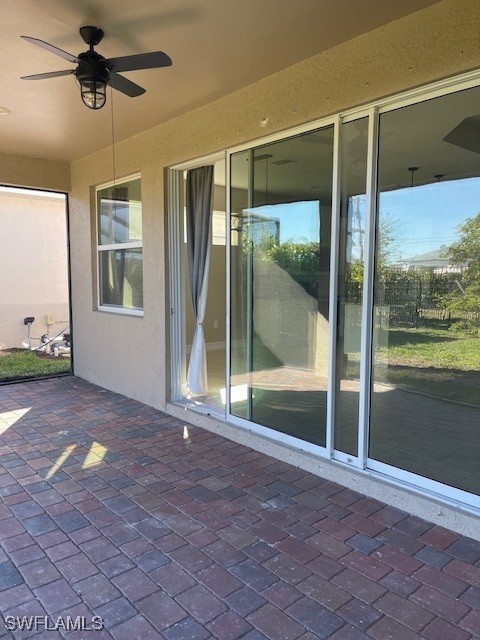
(352, 318)
(425, 408)
(281, 212)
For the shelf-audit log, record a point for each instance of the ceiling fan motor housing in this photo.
(91, 67)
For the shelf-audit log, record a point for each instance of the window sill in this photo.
(119, 311)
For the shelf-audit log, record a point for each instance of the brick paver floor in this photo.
(110, 508)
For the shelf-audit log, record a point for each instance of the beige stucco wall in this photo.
(38, 173)
(128, 354)
(33, 266)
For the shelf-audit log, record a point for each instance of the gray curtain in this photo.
(199, 208)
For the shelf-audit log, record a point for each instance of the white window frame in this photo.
(116, 309)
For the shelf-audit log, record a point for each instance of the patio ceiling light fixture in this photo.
(93, 91)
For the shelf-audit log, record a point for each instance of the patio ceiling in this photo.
(217, 47)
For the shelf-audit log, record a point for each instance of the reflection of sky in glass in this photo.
(298, 221)
(421, 219)
(425, 217)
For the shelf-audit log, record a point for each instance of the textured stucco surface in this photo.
(38, 173)
(127, 354)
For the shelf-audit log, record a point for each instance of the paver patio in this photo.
(112, 508)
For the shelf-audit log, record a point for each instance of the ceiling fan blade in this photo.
(50, 74)
(124, 85)
(51, 48)
(139, 61)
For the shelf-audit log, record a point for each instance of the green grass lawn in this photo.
(431, 347)
(16, 364)
(431, 360)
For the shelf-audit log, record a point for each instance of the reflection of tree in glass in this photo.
(301, 260)
(387, 233)
(465, 254)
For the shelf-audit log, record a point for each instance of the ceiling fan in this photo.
(94, 72)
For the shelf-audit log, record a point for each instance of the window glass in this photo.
(353, 162)
(119, 215)
(425, 406)
(121, 277)
(281, 197)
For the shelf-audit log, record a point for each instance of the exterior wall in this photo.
(34, 266)
(37, 173)
(129, 354)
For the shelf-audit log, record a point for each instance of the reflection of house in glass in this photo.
(437, 261)
(120, 220)
(113, 219)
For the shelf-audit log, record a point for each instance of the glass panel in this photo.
(120, 213)
(353, 161)
(240, 272)
(281, 216)
(121, 278)
(425, 408)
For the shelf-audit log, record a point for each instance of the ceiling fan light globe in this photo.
(93, 93)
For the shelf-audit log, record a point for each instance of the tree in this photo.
(387, 236)
(465, 254)
(466, 250)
